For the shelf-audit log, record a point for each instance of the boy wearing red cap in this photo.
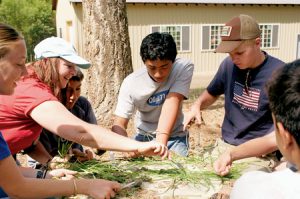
(241, 77)
(284, 96)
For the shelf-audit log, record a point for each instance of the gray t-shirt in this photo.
(139, 92)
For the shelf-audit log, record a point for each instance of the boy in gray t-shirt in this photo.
(156, 93)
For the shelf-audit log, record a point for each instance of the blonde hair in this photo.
(8, 35)
(46, 70)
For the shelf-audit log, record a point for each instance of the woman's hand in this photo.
(99, 189)
(83, 156)
(63, 174)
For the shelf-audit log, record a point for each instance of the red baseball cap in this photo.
(237, 30)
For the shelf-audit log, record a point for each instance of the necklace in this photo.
(246, 82)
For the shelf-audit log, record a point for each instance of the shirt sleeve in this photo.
(217, 85)
(36, 95)
(255, 184)
(183, 80)
(125, 106)
(4, 150)
(90, 115)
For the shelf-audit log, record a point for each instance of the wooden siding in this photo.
(142, 17)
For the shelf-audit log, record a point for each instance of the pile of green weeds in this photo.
(193, 169)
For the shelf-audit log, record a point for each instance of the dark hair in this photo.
(78, 76)
(8, 35)
(284, 96)
(158, 46)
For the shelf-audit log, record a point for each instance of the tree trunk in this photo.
(107, 46)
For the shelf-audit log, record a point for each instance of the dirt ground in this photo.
(206, 133)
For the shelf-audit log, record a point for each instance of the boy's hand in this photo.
(153, 148)
(223, 164)
(194, 115)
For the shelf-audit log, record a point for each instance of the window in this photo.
(181, 35)
(211, 36)
(70, 32)
(269, 35)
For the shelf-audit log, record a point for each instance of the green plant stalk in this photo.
(126, 171)
(64, 147)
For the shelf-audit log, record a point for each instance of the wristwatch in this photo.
(39, 174)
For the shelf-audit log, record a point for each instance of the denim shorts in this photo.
(180, 145)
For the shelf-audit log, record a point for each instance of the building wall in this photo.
(141, 17)
(69, 23)
(79, 28)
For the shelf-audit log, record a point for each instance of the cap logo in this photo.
(225, 31)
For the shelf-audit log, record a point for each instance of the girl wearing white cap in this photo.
(31, 103)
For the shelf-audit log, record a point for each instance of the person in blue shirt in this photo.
(284, 95)
(241, 78)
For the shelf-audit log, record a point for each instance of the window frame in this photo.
(278, 34)
(209, 44)
(260, 24)
(181, 36)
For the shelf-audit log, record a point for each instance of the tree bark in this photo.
(107, 47)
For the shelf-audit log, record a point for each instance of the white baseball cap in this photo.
(58, 47)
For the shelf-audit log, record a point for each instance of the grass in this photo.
(194, 94)
(63, 147)
(195, 170)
